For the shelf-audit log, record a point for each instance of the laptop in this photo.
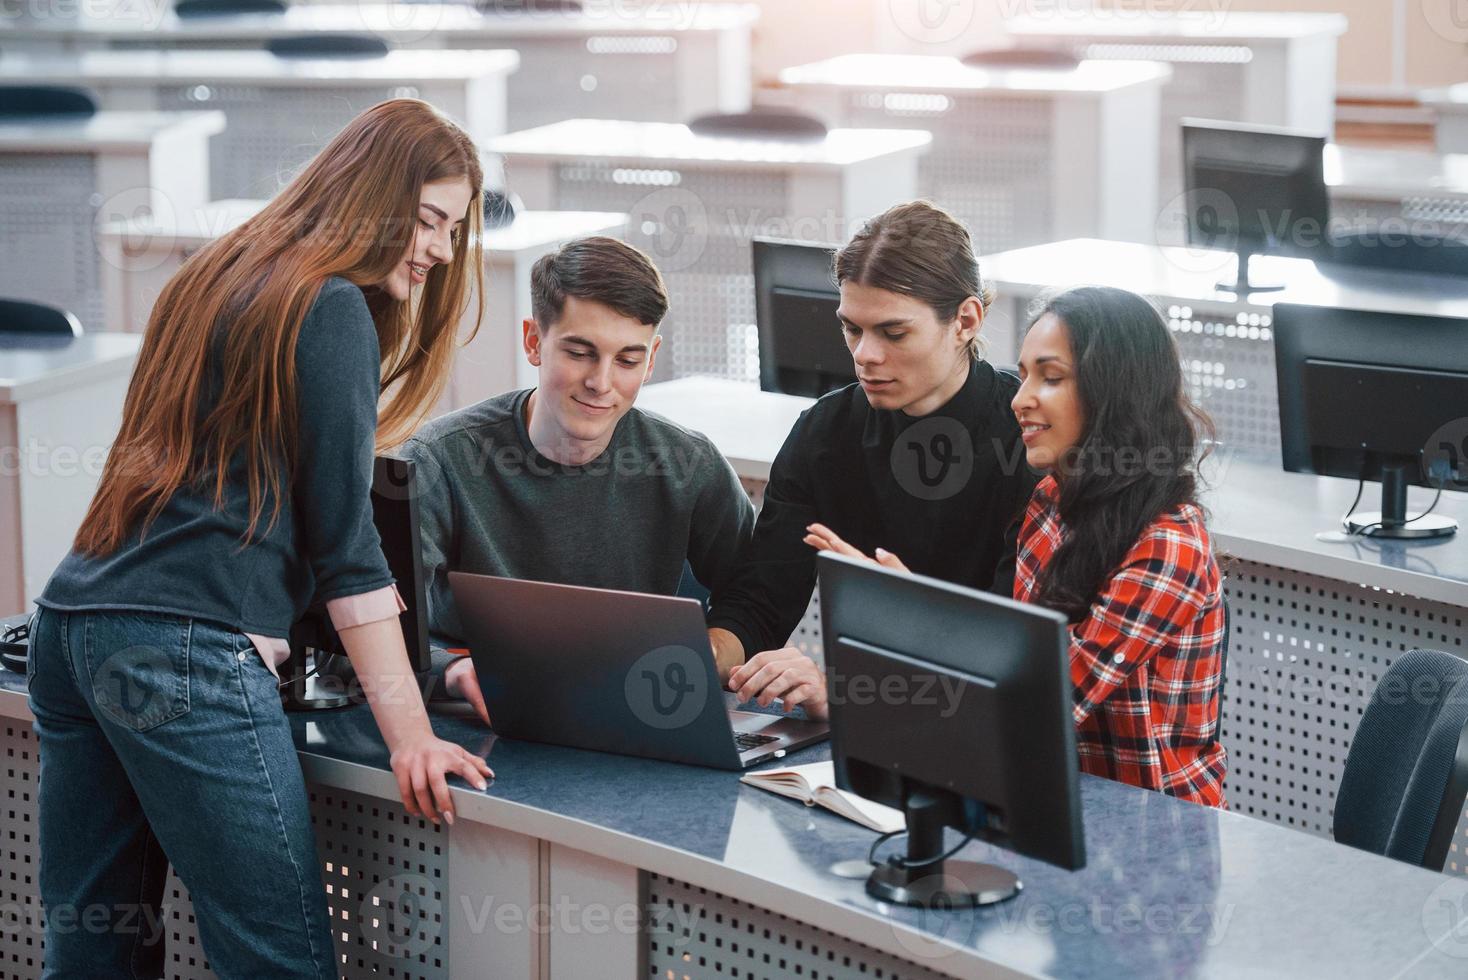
(611, 671)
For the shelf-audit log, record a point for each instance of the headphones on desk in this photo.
(15, 645)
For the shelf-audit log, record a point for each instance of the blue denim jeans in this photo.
(162, 740)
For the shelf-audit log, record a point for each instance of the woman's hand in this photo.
(421, 765)
(822, 538)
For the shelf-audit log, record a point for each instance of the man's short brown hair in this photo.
(602, 270)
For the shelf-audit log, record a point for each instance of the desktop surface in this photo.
(1171, 888)
(33, 364)
(907, 72)
(612, 139)
(393, 21)
(1190, 275)
(140, 67)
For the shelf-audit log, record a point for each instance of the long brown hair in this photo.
(352, 212)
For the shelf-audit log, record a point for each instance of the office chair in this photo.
(328, 46)
(528, 6)
(500, 208)
(30, 101)
(1021, 58)
(1406, 775)
(761, 123)
(22, 316)
(224, 8)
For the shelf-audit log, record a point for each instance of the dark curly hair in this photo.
(1139, 452)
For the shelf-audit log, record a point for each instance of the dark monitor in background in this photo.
(801, 347)
(395, 514)
(1375, 396)
(954, 706)
(1255, 189)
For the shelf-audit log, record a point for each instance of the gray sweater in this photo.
(324, 545)
(491, 504)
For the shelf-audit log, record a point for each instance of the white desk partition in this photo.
(280, 111)
(1274, 68)
(696, 202)
(1411, 191)
(60, 178)
(1022, 156)
(60, 408)
(1451, 104)
(616, 59)
(150, 252)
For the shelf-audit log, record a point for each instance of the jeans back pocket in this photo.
(139, 667)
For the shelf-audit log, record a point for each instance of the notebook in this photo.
(816, 784)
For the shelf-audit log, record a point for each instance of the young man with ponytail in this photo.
(921, 456)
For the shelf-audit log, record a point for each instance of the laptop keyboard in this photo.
(751, 740)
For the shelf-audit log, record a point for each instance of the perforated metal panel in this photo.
(48, 209)
(21, 922)
(600, 77)
(1305, 655)
(697, 225)
(272, 131)
(1228, 366)
(384, 873)
(696, 933)
(990, 161)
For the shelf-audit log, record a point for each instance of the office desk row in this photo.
(151, 250)
(60, 407)
(61, 176)
(612, 60)
(280, 111)
(578, 864)
(1226, 340)
(1313, 624)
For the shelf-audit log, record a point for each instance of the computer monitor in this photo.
(1256, 188)
(954, 706)
(395, 514)
(801, 348)
(1375, 396)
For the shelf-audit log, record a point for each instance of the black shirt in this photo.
(943, 492)
(323, 545)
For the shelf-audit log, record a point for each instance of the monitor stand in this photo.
(940, 884)
(1392, 521)
(1241, 283)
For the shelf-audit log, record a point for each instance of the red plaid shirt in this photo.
(1146, 660)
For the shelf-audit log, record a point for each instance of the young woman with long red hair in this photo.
(236, 493)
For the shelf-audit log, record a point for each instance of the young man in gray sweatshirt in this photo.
(569, 482)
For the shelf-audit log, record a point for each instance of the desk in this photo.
(1275, 68)
(60, 408)
(615, 59)
(1021, 156)
(150, 253)
(280, 111)
(1451, 104)
(1226, 341)
(1414, 190)
(697, 201)
(63, 177)
(1312, 624)
(548, 871)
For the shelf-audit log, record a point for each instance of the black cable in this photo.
(910, 865)
(1367, 528)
